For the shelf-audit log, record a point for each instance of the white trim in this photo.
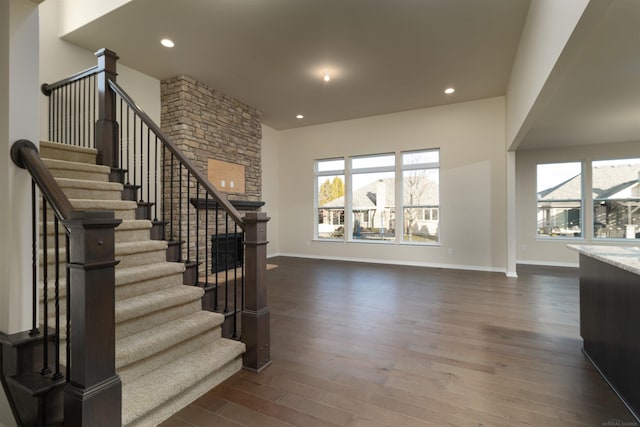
(393, 262)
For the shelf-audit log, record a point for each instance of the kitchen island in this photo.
(610, 316)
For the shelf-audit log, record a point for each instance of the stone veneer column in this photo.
(207, 124)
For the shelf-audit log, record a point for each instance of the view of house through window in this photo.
(330, 198)
(616, 199)
(420, 195)
(559, 191)
(370, 202)
(373, 198)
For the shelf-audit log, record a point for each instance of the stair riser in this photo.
(139, 324)
(124, 214)
(145, 286)
(92, 194)
(63, 153)
(77, 174)
(126, 261)
(122, 234)
(135, 370)
(141, 258)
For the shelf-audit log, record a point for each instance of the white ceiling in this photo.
(383, 55)
(593, 94)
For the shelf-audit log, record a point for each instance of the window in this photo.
(616, 199)
(420, 195)
(376, 183)
(330, 198)
(373, 197)
(559, 191)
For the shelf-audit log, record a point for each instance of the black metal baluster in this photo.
(226, 263)
(188, 217)
(243, 274)
(180, 210)
(235, 281)
(217, 257)
(50, 107)
(72, 89)
(121, 141)
(56, 228)
(197, 213)
(128, 148)
(45, 283)
(134, 153)
(141, 161)
(84, 112)
(155, 186)
(206, 245)
(68, 317)
(148, 171)
(34, 263)
(63, 93)
(171, 197)
(93, 118)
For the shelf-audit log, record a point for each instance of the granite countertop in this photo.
(624, 257)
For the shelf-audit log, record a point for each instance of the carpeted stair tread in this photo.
(147, 343)
(142, 305)
(89, 204)
(138, 273)
(99, 171)
(128, 248)
(121, 249)
(144, 395)
(57, 151)
(128, 230)
(88, 184)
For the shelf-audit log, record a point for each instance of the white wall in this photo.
(548, 27)
(530, 249)
(471, 138)
(271, 186)
(76, 13)
(18, 120)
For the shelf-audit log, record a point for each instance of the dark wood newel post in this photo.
(106, 126)
(93, 395)
(255, 316)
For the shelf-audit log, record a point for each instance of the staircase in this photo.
(168, 350)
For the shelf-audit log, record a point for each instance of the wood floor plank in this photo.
(380, 345)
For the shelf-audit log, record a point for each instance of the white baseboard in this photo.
(549, 263)
(395, 262)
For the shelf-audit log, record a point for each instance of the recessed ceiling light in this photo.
(449, 90)
(326, 77)
(299, 116)
(167, 43)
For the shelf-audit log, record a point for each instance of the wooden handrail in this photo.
(226, 205)
(24, 153)
(47, 88)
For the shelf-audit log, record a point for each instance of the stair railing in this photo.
(92, 389)
(223, 252)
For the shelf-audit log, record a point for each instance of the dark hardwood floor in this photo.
(376, 345)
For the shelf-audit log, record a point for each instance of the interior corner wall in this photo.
(530, 249)
(471, 139)
(547, 29)
(271, 186)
